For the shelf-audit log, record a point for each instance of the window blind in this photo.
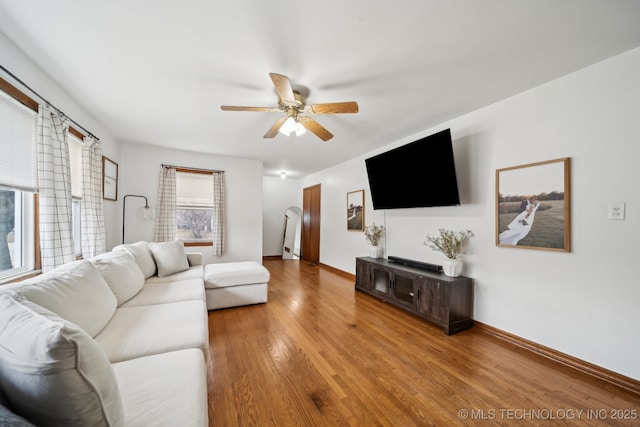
(18, 155)
(194, 189)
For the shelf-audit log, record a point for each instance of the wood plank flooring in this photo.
(320, 354)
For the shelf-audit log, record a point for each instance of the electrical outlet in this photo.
(616, 211)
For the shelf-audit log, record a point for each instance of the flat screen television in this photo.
(419, 174)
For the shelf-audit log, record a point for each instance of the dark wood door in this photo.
(311, 224)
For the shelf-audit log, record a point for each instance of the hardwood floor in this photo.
(320, 354)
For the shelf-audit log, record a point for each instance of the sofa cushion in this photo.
(168, 389)
(121, 273)
(168, 292)
(194, 272)
(79, 295)
(142, 254)
(152, 329)
(51, 273)
(227, 274)
(170, 257)
(194, 258)
(51, 371)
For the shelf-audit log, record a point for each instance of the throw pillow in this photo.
(79, 295)
(121, 273)
(52, 372)
(170, 257)
(142, 255)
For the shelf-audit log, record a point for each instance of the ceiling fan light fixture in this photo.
(300, 129)
(288, 127)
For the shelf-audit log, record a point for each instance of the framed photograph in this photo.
(533, 206)
(355, 210)
(109, 179)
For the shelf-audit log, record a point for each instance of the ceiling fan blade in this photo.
(334, 108)
(258, 109)
(315, 127)
(271, 133)
(283, 87)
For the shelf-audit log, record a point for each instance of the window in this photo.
(18, 181)
(17, 232)
(194, 207)
(75, 165)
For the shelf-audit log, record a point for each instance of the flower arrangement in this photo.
(450, 243)
(373, 234)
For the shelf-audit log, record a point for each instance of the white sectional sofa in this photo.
(117, 340)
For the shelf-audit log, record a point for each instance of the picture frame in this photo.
(109, 179)
(355, 210)
(533, 206)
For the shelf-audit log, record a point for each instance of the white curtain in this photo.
(92, 213)
(54, 181)
(219, 215)
(166, 212)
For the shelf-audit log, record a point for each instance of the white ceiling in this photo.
(157, 71)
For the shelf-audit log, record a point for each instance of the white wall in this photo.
(279, 195)
(583, 303)
(19, 64)
(139, 174)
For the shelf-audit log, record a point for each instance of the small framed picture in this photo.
(533, 204)
(109, 179)
(355, 211)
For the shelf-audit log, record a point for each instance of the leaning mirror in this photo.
(292, 233)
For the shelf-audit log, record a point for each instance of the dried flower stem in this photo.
(450, 243)
(373, 234)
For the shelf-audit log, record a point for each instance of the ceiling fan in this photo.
(293, 104)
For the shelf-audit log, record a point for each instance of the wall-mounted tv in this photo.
(419, 174)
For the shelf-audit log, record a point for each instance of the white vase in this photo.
(452, 267)
(374, 251)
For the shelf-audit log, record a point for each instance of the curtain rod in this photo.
(189, 167)
(47, 102)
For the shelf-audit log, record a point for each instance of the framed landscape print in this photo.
(355, 210)
(533, 206)
(109, 179)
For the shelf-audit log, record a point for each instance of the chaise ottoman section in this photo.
(234, 284)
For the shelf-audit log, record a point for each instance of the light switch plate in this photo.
(616, 211)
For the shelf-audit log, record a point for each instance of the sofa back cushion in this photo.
(170, 257)
(51, 371)
(122, 274)
(78, 294)
(142, 255)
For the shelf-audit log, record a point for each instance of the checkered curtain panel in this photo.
(91, 212)
(166, 211)
(219, 216)
(54, 180)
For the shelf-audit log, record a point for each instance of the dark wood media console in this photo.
(445, 301)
